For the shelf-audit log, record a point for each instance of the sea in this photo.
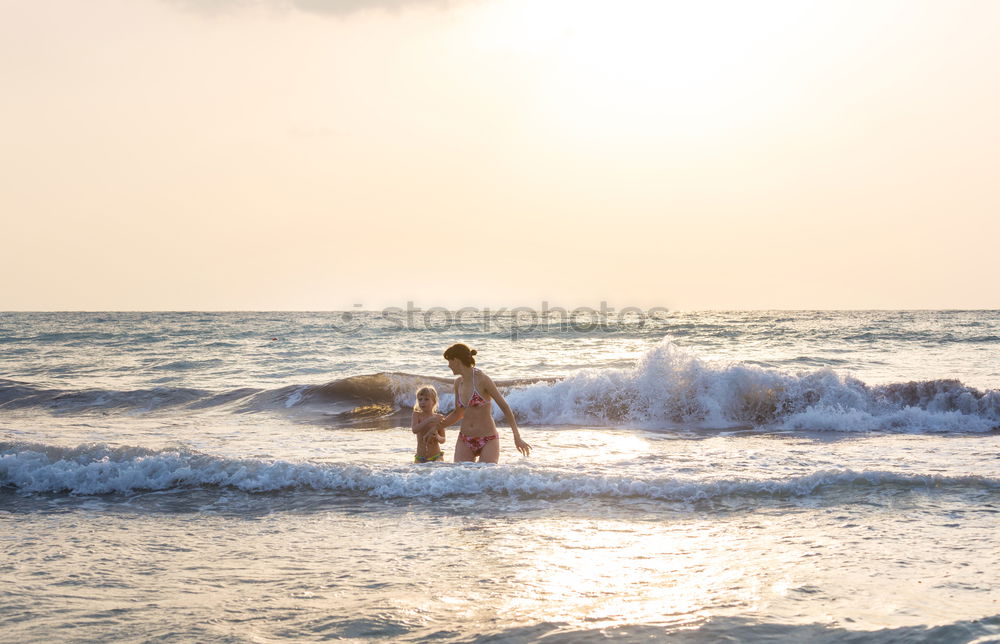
(695, 476)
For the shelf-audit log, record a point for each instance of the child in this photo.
(425, 426)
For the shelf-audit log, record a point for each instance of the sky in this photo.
(324, 154)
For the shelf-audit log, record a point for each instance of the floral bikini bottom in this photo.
(476, 443)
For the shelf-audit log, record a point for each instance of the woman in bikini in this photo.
(474, 391)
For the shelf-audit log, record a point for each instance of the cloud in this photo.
(340, 7)
(334, 8)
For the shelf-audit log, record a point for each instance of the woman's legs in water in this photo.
(490, 452)
(463, 453)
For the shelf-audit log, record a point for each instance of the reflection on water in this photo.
(599, 573)
(410, 571)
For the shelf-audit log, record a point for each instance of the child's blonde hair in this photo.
(427, 389)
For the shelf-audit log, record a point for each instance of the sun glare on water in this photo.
(605, 572)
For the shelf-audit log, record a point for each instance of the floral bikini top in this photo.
(476, 400)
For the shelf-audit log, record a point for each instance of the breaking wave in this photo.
(671, 386)
(102, 469)
(667, 386)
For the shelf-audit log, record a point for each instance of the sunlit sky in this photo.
(302, 154)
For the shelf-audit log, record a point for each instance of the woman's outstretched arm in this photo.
(455, 415)
(494, 393)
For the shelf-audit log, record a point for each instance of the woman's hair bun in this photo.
(462, 352)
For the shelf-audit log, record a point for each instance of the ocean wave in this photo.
(389, 391)
(21, 395)
(721, 628)
(670, 386)
(667, 386)
(94, 469)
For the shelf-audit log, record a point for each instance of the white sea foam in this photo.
(671, 386)
(100, 469)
